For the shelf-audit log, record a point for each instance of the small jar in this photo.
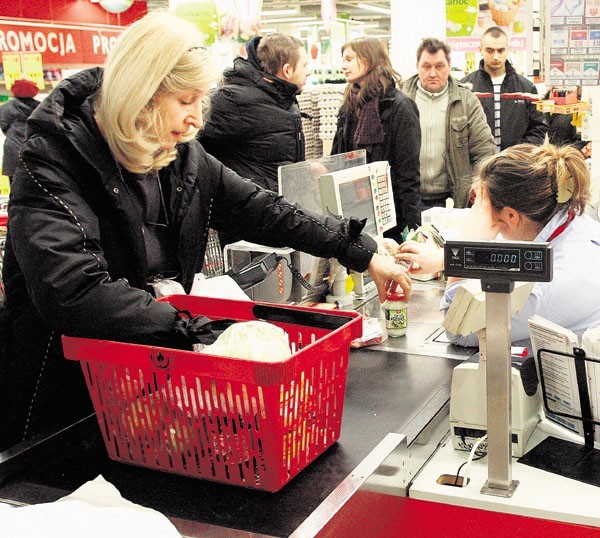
(396, 314)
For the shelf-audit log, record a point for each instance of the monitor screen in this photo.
(355, 197)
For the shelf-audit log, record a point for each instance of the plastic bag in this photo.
(253, 340)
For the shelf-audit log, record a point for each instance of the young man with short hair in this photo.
(508, 99)
(254, 124)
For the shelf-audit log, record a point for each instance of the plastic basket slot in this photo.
(319, 320)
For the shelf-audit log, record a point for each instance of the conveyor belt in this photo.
(386, 392)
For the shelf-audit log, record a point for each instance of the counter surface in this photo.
(385, 391)
(389, 389)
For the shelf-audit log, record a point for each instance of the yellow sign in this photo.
(203, 13)
(12, 68)
(32, 68)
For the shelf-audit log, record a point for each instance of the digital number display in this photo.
(492, 258)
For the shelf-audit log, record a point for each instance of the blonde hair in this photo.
(533, 180)
(156, 55)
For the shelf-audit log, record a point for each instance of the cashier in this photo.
(534, 193)
(111, 190)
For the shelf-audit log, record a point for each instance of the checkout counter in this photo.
(397, 396)
(379, 479)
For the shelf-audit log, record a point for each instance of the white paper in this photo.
(218, 287)
(591, 346)
(560, 378)
(95, 510)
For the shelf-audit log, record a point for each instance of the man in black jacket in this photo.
(508, 98)
(254, 124)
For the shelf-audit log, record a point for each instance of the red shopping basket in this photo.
(241, 422)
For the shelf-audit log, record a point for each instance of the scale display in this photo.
(510, 261)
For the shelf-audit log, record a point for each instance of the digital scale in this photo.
(498, 264)
(499, 261)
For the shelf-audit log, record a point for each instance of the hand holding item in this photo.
(383, 271)
(425, 258)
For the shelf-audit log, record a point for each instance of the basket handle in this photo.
(319, 320)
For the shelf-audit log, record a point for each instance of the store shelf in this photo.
(549, 106)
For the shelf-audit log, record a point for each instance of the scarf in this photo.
(369, 130)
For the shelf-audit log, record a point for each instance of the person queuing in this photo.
(13, 118)
(508, 99)
(255, 125)
(376, 116)
(456, 135)
(534, 193)
(111, 190)
(561, 130)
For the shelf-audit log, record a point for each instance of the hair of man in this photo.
(432, 45)
(275, 50)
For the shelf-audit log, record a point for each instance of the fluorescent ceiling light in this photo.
(370, 25)
(291, 19)
(278, 12)
(268, 30)
(377, 9)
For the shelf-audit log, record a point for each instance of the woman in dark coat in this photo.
(13, 116)
(111, 190)
(376, 116)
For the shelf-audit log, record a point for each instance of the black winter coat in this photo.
(13, 118)
(75, 256)
(254, 125)
(561, 130)
(520, 121)
(401, 148)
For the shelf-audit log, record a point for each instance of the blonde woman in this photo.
(112, 190)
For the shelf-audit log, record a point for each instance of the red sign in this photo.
(59, 44)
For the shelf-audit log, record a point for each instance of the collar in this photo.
(555, 226)
(431, 95)
(508, 68)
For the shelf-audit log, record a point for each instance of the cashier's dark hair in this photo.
(537, 181)
(379, 76)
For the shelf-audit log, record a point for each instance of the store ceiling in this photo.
(378, 23)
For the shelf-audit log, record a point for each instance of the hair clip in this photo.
(565, 189)
(196, 47)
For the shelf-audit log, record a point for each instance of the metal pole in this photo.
(498, 388)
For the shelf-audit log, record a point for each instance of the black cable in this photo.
(481, 456)
(322, 288)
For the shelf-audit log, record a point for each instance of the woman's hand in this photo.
(424, 257)
(383, 271)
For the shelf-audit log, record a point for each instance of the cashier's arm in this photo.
(479, 224)
(383, 271)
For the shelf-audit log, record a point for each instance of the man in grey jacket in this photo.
(455, 133)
